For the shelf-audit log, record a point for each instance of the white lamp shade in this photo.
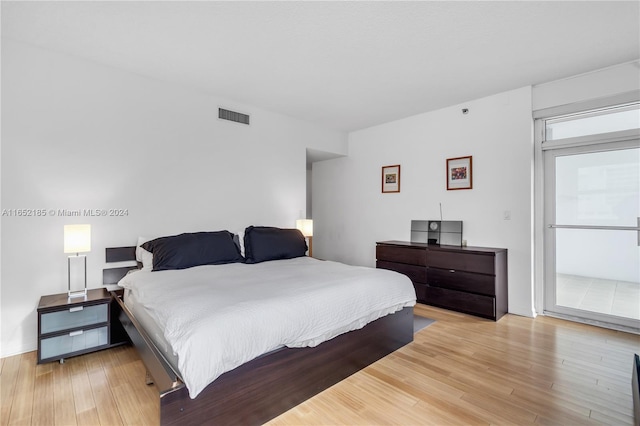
(77, 238)
(305, 226)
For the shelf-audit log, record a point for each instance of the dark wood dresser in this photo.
(465, 279)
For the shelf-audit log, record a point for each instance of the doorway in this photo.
(592, 217)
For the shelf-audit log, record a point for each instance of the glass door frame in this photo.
(597, 143)
(539, 230)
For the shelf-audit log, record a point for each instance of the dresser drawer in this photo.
(421, 292)
(474, 304)
(469, 262)
(77, 341)
(74, 317)
(407, 255)
(463, 281)
(417, 274)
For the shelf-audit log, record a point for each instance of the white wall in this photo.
(78, 135)
(598, 84)
(350, 213)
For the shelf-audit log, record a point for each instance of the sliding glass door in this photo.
(592, 228)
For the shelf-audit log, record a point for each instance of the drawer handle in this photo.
(76, 309)
(452, 270)
(76, 333)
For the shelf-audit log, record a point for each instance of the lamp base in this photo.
(79, 293)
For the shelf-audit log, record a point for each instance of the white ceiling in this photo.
(343, 65)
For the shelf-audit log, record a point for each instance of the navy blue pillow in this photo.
(193, 249)
(262, 243)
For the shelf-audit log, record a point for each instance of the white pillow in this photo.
(144, 256)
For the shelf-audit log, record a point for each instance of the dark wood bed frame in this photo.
(635, 389)
(267, 386)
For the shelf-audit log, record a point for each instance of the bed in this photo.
(208, 362)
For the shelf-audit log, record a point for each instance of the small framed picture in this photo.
(391, 178)
(459, 173)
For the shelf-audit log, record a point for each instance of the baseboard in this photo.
(12, 351)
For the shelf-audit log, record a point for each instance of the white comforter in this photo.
(218, 317)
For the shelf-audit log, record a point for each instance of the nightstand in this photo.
(74, 326)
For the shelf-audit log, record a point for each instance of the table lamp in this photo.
(77, 239)
(306, 227)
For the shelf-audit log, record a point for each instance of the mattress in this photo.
(151, 327)
(210, 319)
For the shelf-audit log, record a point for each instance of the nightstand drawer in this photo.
(72, 342)
(74, 317)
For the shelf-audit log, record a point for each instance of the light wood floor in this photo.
(460, 370)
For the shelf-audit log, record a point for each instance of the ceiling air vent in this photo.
(225, 114)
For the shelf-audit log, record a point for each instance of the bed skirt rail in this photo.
(162, 373)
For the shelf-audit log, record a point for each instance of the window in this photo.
(596, 122)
